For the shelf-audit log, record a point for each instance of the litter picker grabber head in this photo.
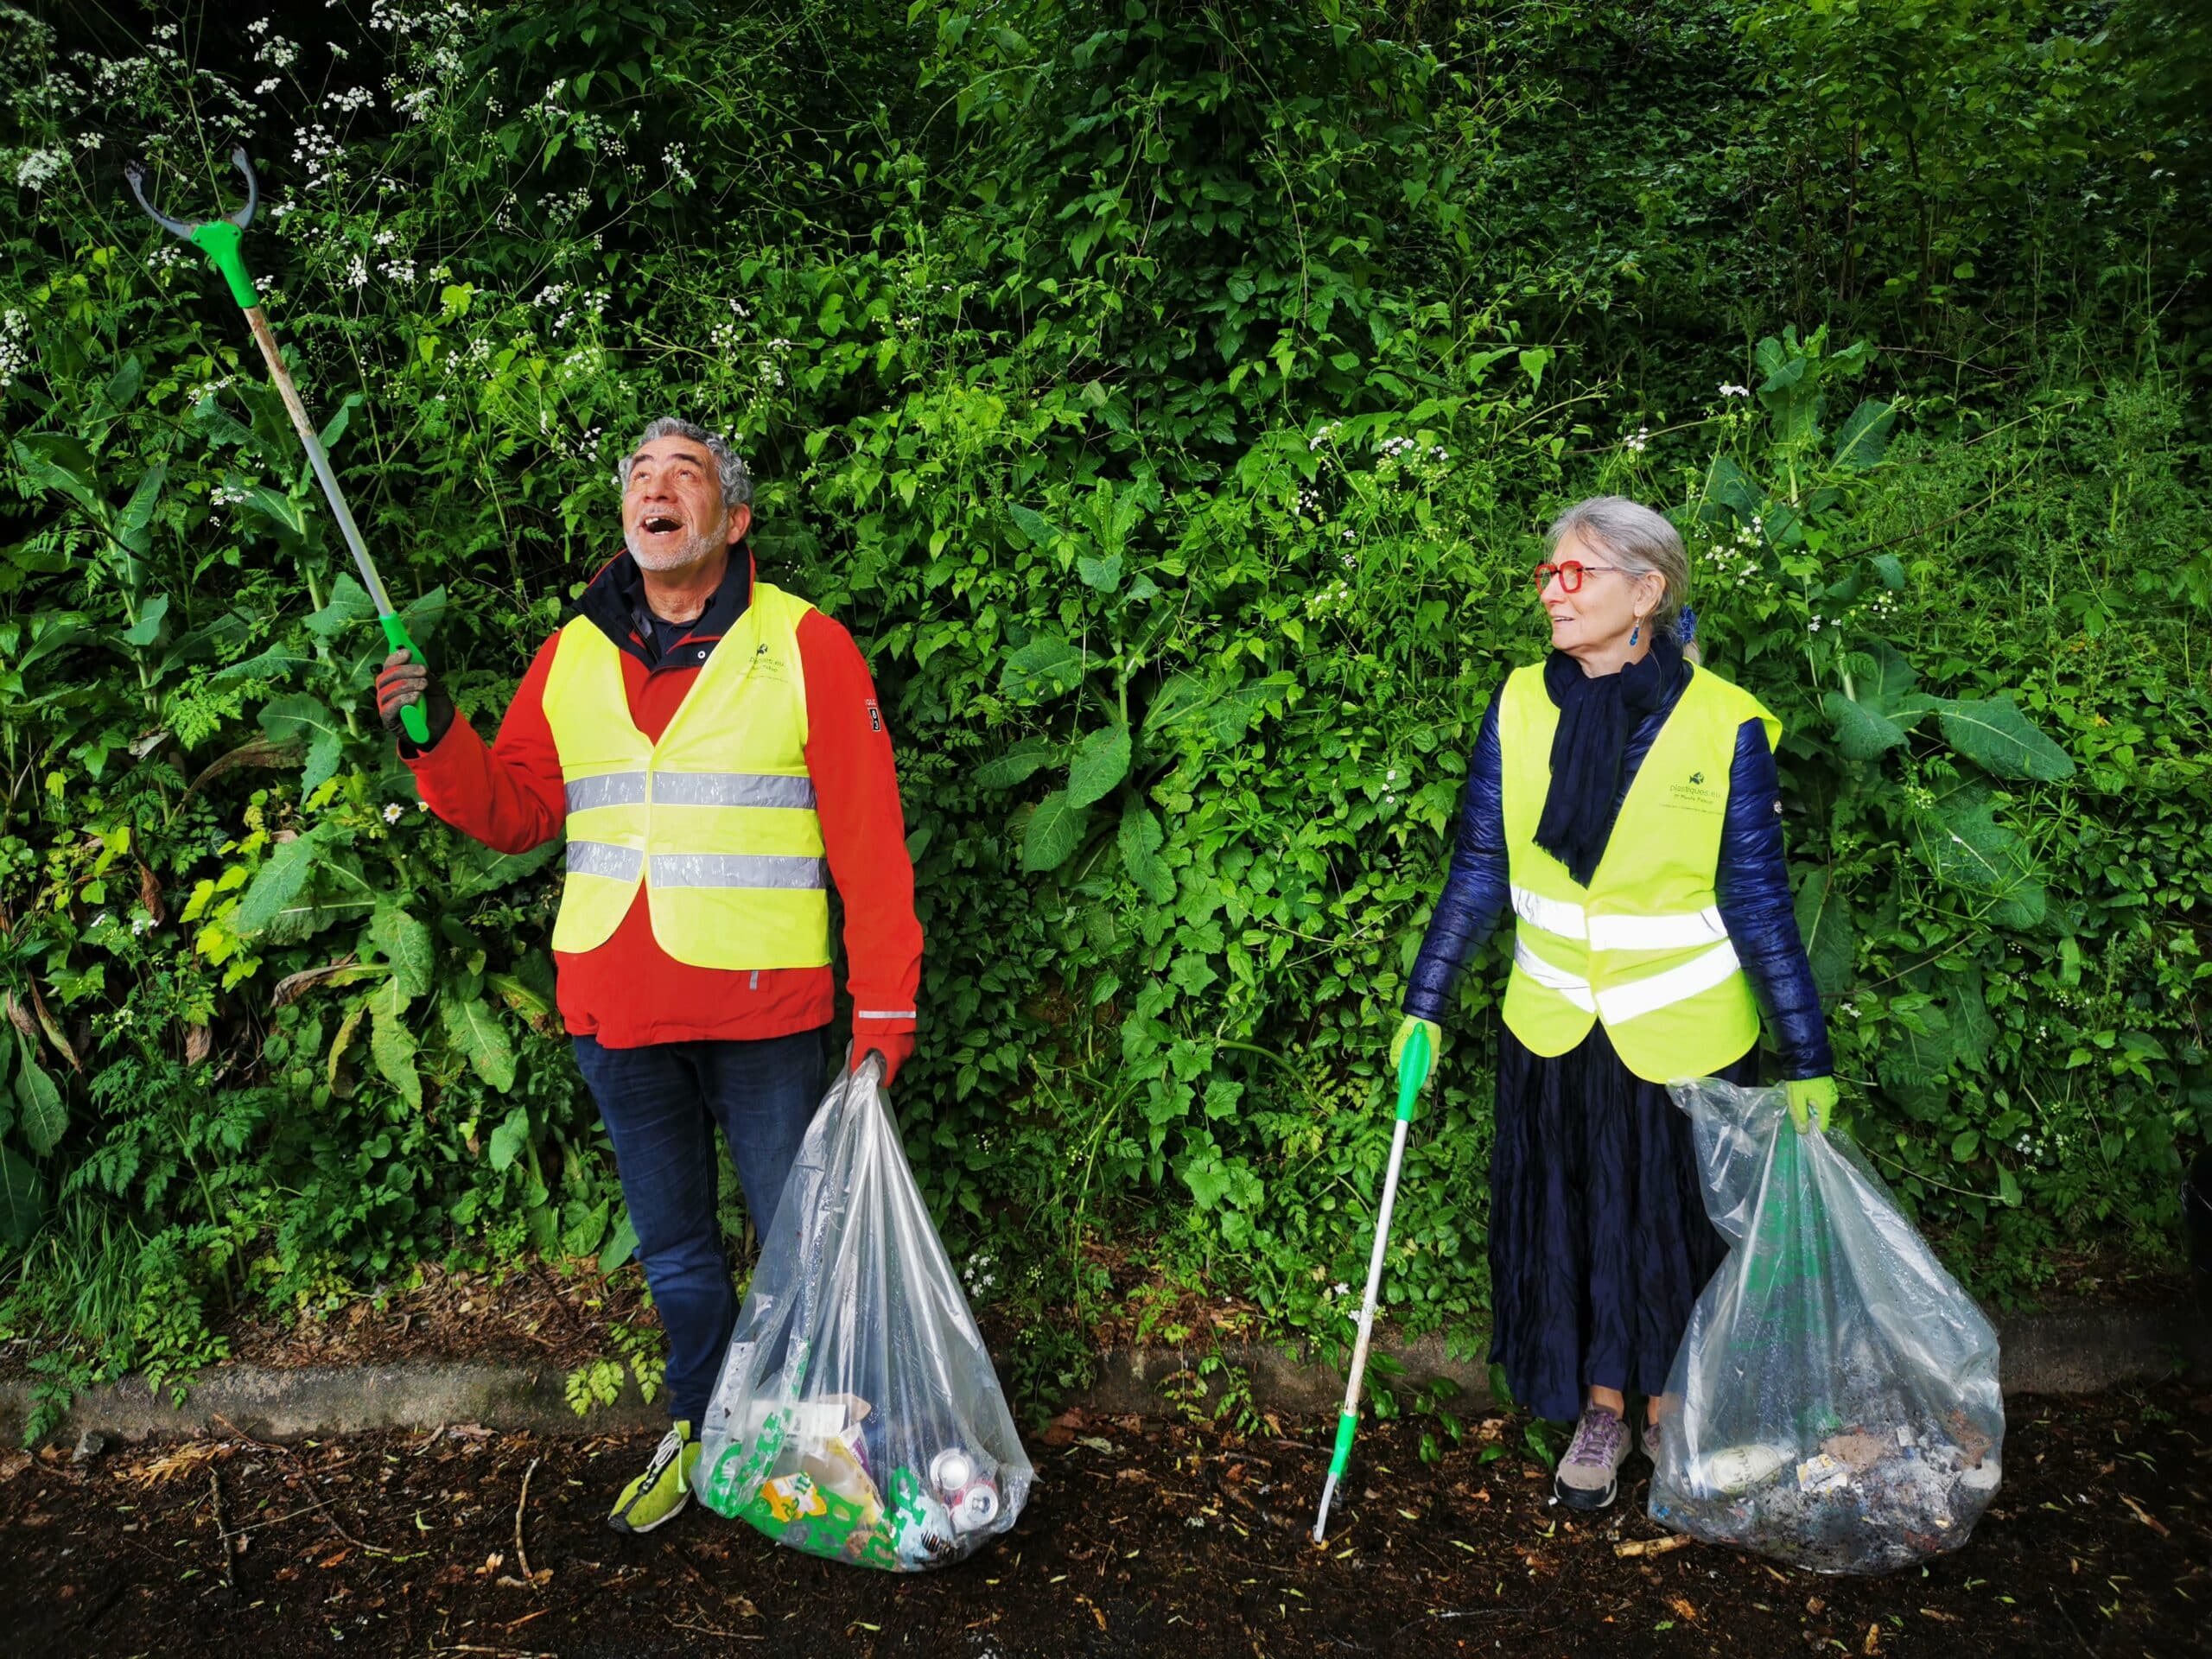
(216, 237)
(218, 240)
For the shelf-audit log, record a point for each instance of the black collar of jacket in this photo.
(615, 602)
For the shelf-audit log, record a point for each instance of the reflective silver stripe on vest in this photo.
(731, 788)
(1618, 1004)
(1681, 931)
(606, 858)
(608, 789)
(738, 870)
(883, 1014)
(1552, 915)
(1572, 986)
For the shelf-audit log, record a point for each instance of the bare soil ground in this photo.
(1141, 1538)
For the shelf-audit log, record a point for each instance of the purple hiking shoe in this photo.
(1589, 1475)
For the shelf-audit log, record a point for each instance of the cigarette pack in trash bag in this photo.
(857, 1415)
(1834, 1402)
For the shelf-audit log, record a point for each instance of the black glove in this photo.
(402, 680)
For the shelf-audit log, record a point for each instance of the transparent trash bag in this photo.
(857, 1415)
(1834, 1402)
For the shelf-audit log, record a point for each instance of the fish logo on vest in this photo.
(1694, 795)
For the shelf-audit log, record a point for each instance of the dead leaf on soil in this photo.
(13, 1463)
(181, 1460)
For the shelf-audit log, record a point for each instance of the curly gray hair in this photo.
(737, 483)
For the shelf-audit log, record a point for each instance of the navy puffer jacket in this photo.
(1753, 887)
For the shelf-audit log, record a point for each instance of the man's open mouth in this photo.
(658, 524)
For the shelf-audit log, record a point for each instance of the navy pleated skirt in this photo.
(1598, 1240)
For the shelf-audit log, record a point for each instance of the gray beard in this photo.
(694, 550)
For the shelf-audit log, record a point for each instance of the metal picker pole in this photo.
(218, 240)
(1413, 1070)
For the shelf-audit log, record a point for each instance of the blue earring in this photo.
(1635, 634)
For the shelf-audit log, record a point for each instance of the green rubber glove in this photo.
(1406, 1029)
(1812, 1102)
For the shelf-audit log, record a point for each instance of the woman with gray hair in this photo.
(1622, 802)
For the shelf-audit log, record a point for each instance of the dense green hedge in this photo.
(1168, 396)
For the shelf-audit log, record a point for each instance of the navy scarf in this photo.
(1597, 713)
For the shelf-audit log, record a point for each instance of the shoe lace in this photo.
(1597, 1439)
(671, 1448)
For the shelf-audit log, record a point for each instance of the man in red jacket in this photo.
(713, 749)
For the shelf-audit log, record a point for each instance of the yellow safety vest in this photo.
(1642, 947)
(717, 821)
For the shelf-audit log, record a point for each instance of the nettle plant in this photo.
(1880, 763)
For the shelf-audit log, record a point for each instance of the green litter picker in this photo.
(218, 240)
(1412, 1069)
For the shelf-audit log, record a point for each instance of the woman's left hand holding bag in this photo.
(1812, 1102)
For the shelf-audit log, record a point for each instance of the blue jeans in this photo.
(661, 1104)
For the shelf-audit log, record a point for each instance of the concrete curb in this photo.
(2077, 1348)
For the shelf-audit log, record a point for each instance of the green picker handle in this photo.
(219, 238)
(1413, 1068)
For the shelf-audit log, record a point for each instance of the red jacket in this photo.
(629, 992)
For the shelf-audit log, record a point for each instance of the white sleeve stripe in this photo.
(883, 1014)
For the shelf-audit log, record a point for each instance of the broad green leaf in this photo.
(348, 1029)
(40, 1109)
(509, 1138)
(1973, 1030)
(1965, 1145)
(1729, 487)
(1040, 531)
(277, 662)
(1047, 665)
(310, 721)
(276, 885)
(1140, 838)
(476, 869)
(148, 628)
(477, 1032)
(1964, 845)
(407, 946)
(60, 463)
(282, 512)
(1104, 574)
(1824, 923)
(22, 1200)
(349, 603)
(1102, 761)
(392, 1046)
(121, 386)
(1996, 737)
(1889, 570)
(1055, 831)
(1892, 680)
(1913, 1061)
(1860, 733)
(1031, 754)
(620, 1245)
(523, 999)
(1864, 435)
(134, 526)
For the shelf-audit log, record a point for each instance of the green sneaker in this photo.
(665, 1488)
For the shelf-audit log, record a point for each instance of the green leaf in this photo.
(308, 719)
(2008, 1188)
(22, 1200)
(1047, 665)
(477, 1032)
(1912, 1062)
(1040, 531)
(1975, 1031)
(510, 1138)
(1963, 844)
(1866, 435)
(1824, 923)
(59, 462)
(1102, 761)
(407, 946)
(44, 1115)
(1860, 733)
(349, 603)
(1140, 838)
(1104, 574)
(1055, 831)
(284, 513)
(134, 526)
(392, 1046)
(621, 1244)
(1965, 1145)
(1889, 570)
(476, 869)
(148, 628)
(122, 387)
(1996, 737)
(276, 885)
(1031, 754)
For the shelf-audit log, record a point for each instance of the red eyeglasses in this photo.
(1570, 573)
